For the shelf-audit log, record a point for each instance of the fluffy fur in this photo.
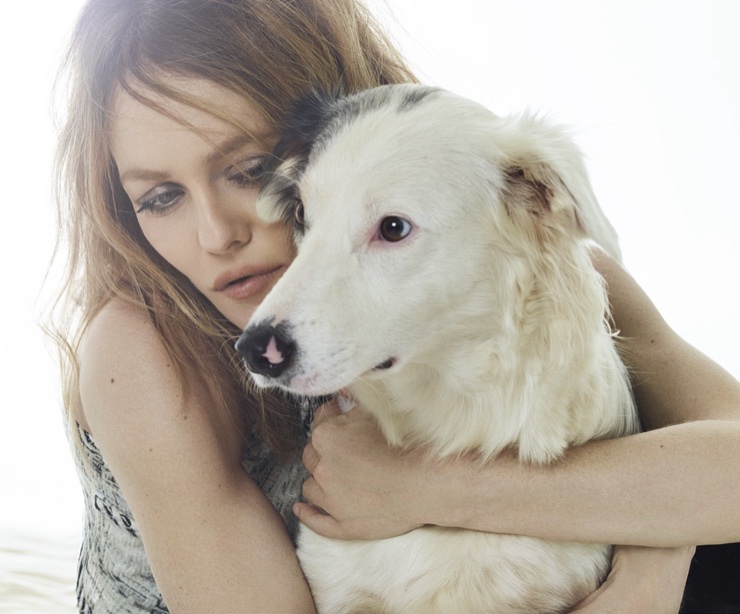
(443, 274)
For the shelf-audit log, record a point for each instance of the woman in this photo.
(174, 105)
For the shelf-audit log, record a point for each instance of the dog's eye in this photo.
(394, 229)
(299, 215)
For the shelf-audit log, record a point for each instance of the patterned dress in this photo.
(113, 573)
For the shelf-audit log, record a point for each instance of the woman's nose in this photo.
(222, 225)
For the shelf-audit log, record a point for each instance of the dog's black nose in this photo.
(268, 350)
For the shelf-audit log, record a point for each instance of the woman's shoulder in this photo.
(129, 379)
(139, 405)
(118, 324)
(120, 351)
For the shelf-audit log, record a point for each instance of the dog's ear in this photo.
(303, 124)
(528, 191)
(544, 175)
(540, 192)
(538, 203)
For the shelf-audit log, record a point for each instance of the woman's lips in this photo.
(251, 285)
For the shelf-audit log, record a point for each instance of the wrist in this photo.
(464, 492)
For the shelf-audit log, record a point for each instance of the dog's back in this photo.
(443, 272)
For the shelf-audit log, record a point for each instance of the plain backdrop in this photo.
(651, 89)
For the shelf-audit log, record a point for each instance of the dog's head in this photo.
(416, 214)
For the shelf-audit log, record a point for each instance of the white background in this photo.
(652, 88)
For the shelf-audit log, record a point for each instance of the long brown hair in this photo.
(268, 51)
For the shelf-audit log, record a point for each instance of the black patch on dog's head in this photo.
(415, 96)
(405, 96)
(314, 119)
(318, 114)
(308, 119)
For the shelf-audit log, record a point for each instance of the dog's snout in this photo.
(267, 350)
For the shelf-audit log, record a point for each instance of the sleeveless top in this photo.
(114, 575)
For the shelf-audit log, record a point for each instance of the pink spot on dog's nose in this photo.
(272, 353)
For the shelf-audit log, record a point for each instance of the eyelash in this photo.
(248, 173)
(162, 201)
(245, 175)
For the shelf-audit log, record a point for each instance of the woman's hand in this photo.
(641, 580)
(358, 488)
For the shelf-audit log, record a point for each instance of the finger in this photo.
(327, 410)
(316, 520)
(310, 457)
(311, 491)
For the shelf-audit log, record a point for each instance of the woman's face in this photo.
(194, 194)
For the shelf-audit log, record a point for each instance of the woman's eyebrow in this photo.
(221, 151)
(139, 174)
(227, 148)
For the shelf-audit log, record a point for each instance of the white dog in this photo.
(443, 274)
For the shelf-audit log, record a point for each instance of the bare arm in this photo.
(213, 540)
(672, 486)
(641, 580)
(673, 381)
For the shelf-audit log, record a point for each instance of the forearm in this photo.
(670, 487)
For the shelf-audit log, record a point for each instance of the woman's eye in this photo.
(247, 174)
(394, 229)
(161, 199)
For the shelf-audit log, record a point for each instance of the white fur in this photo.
(495, 319)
